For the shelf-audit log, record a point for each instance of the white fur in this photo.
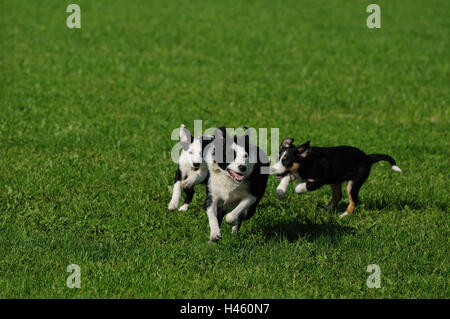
(278, 167)
(282, 187)
(213, 221)
(234, 217)
(300, 188)
(396, 168)
(242, 158)
(225, 189)
(191, 153)
(176, 195)
(195, 177)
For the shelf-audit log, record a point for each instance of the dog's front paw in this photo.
(215, 236)
(281, 193)
(187, 184)
(173, 205)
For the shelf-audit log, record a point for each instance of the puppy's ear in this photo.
(303, 149)
(185, 137)
(287, 142)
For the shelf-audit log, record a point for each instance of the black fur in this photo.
(329, 165)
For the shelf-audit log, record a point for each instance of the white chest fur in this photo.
(226, 190)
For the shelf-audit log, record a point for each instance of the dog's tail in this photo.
(383, 157)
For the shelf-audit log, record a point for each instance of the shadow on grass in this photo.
(296, 226)
(311, 231)
(401, 204)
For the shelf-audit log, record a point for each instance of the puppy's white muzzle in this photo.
(277, 168)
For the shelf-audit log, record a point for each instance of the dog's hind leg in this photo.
(236, 228)
(351, 201)
(353, 187)
(188, 199)
(336, 195)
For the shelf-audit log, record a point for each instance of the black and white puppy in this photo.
(192, 169)
(318, 166)
(237, 180)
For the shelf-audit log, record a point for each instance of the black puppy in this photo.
(318, 166)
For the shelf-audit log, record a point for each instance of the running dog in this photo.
(318, 166)
(238, 173)
(192, 169)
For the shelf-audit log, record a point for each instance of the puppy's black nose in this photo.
(196, 165)
(242, 168)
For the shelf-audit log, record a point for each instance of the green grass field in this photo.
(85, 123)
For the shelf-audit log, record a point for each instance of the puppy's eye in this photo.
(284, 158)
(246, 155)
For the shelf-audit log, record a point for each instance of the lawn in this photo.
(85, 125)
